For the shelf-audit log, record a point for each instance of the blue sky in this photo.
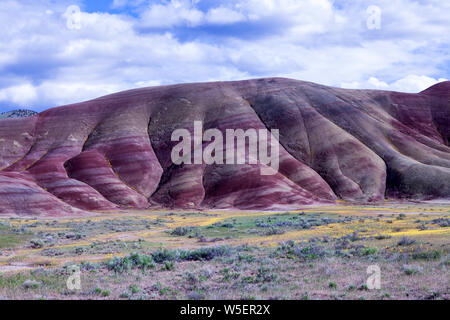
(60, 52)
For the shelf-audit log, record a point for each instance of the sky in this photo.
(54, 53)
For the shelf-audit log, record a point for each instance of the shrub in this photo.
(134, 260)
(274, 231)
(195, 295)
(79, 250)
(101, 292)
(191, 278)
(168, 266)
(265, 275)
(74, 236)
(310, 252)
(382, 237)
(353, 237)
(423, 227)
(36, 244)
(163, 255)
(134, 288)
(52, 252)
(97, 291)
(207, 253)
(106, 293)
(246, 257)
(31, 284)
(367, 251)
(228, 275)
(363, 287)
(180, 231)
(411, 269)
(227, 225)
(142, 261)
(405, 241)
(89, 266)
(427, 255)
(442, 222)
(119, 265)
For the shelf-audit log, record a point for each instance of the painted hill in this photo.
(115, 151)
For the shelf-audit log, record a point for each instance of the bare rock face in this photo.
(115, 152)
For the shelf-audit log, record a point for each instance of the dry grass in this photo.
(257, 268)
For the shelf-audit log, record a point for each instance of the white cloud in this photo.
(410, 83)
(20, 94)
(119, 4)
(44, 63)
(304, 15)
(414, 83)
(222, 15)
(377, 83)
(63, 93)
(174, 13)
(312, 14)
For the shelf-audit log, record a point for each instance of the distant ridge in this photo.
(20, 113)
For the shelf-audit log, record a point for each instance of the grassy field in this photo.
(315, 253)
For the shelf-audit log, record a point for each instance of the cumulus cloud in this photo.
(119, 4)
(414, 83)
(174, 13)
(411, 83)
(20, 94)
(223, 15)
(48, 57)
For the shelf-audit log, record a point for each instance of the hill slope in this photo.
(113, 152)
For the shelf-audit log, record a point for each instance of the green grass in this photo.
(10, 239)
(252, 226)
(112, 247)
(50, 281)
